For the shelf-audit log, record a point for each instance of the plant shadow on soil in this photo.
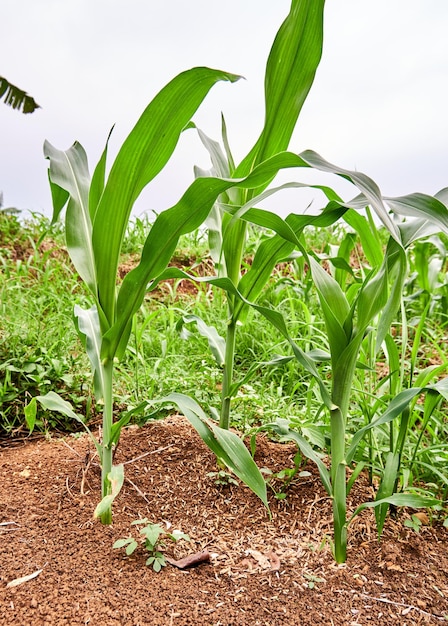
(261, 572)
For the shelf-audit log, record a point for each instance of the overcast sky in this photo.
(378, 104)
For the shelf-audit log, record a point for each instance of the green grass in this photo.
(40, 350)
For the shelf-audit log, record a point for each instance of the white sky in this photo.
(378, 104)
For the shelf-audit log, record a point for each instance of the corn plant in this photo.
(97, 215)
(349, 317)
(290, 71)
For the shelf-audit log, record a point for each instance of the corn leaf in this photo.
(386, 489)
(226, 445)
(69, 171)
(116, 480)
(290, 71)
(422, 206)
(217, 344)
(98, 181)
(411, 500)
(141, 157)
(286, 433)
(397, 405)
(53, 402)
(370, 242)
(88, 325)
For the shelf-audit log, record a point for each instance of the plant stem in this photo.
(227, 376)
(106, 461)
(338, 479)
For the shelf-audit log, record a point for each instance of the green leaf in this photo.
(53, 402)
(365, 184)
(386, 489)
(286, 433)
(372, 297)
(98, 180)
(411, 500)
(226, 445)
(422, 206)
(290, 71)
(116, 479)
(335, 308)
(217, 344)
(152, 533)
(88, 325)
(30, 411)
(397, 405)
(69, 171)
(370, 241)
(141, 157)
(397, 270)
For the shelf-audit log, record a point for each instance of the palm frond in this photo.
(16, 98)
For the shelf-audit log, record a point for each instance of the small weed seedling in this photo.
(222, 478)
(413, 522)
(285, 477)
(153, 541)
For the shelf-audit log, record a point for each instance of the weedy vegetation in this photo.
(335, 322)
(153, 539)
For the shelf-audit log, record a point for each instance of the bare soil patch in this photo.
(262, 572)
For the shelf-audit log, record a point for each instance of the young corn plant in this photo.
(290, 71)
(349, 317)
(97, 214)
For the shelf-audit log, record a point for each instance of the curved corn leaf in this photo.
(141, 157)
(217, 344)
(88, 325)
(411, 500)
(226, 445)
(116, 480)
(69, 171)
(422, 206)
(290, 71)
(365, 184)
(282, 428)
(53, 402)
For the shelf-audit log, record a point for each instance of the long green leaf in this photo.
(142, 156)
(226, 445)
(411, 500)
(88, 324)
(422, 206)
(286, 433)
(398, 404)
(69, 170)
(335, 308)
(53, 402)
(217, 344)
(386, 489)
(290, 71)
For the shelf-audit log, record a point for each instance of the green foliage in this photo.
(96, 220)
(290, 71)
(154, 541)
(341, 322)
(16, 98)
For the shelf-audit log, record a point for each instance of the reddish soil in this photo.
(262, 572)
